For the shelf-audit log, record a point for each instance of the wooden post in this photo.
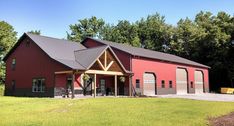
(115, 85)
(73, 80)
(130, 85)
(105, 59)
(95, 85)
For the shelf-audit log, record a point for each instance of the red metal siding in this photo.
(124, 58)
(31, 62)
(91, 43)
(163, 71)
(77, 83)
(61, 80)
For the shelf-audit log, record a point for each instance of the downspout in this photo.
(130, 78)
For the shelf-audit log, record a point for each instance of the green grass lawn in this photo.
(108, 111)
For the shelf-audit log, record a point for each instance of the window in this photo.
(191, 84)
(163, 84)
(13, 64)
(170, 84)
(137, 83)
(38, 85)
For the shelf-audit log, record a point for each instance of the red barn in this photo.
(44, 66)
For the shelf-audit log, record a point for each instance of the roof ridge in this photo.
(92, 48)
(131, 51)
(128, 45)
(52, 37)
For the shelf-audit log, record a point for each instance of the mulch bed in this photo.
(226, 120)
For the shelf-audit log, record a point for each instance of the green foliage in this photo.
(88, 27)
(2, 89)
(207, 40)
(86, 77)
(7, 40)
(109, 111)
(36, 32)
(214, 46)
(7, 37)
(122, 79)
(186, 39)
(123, 32)
(154, 33)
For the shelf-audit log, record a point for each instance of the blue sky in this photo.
(53, 17)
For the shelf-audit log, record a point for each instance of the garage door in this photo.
(181, 81)
(149, 84)
(199, 82)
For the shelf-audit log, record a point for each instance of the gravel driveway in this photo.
(205, 96)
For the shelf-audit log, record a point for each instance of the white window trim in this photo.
(38, 89)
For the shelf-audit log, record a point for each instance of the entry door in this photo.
(199, 83)
(121, 88)
(69, 83)
(181, 81)
(149, 84)
(103, 86)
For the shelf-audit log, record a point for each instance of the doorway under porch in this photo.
(105, 84)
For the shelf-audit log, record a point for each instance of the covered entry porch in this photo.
(104, 76)
(94, 83)
(106, 83)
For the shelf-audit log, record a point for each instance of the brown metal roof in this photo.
(87, 57)
(71, 54)
(149, 53)
(59, 49)
(76, 56)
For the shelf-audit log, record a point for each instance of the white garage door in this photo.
(149, 84)
(199, 82)
(181, 81)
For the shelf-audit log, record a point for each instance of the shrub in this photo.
(1, 89)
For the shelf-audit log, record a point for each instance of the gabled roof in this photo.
(148, 53)
(87, 57)
(57, 49)
(71, 54)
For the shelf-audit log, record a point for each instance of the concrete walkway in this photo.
(205, 96)
(89, 96)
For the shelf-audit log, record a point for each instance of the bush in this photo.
(1, 89)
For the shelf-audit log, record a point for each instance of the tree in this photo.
(154, 33)
(186, 39)
(36, 32)
(207, 40)
(88, 27)
(123, 32)
(7, 40)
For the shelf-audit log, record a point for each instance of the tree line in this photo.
(207, 39)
